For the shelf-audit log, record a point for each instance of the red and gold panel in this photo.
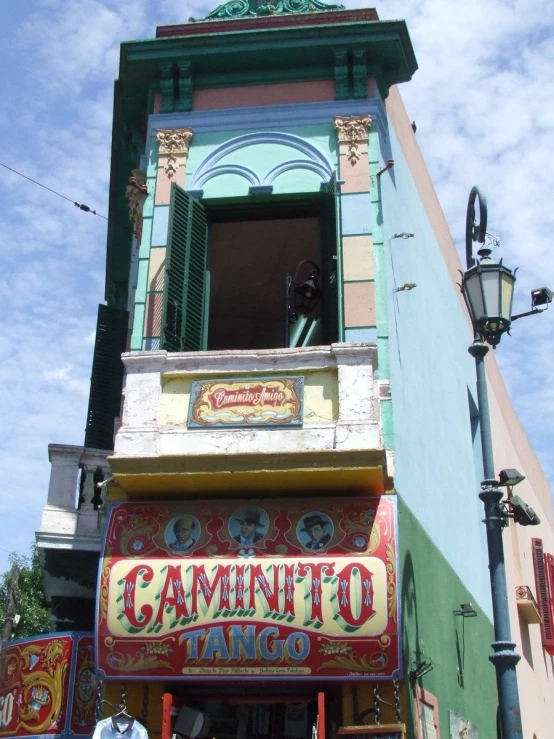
(83, 704)
(35, 685)
(227, 590)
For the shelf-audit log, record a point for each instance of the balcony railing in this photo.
(73, 514)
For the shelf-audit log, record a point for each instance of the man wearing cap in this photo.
(314, 526)
(248, 523)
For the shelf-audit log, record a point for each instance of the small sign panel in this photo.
(251, 401)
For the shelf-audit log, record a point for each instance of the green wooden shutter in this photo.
(184, 319)
(107, 377)
(330, 263)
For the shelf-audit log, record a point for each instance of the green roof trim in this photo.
(253, 8)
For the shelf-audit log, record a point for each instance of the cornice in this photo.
(257, 118)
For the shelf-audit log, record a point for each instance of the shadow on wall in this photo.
(410, 615)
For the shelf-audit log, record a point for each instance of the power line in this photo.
(81, 206)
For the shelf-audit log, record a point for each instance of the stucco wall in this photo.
(432, 378)
(511, 445)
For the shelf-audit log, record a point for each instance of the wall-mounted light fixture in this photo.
(403, 235)
(466, 610)
(301, 297)
(420, 669)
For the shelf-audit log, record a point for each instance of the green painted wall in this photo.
(462, 678)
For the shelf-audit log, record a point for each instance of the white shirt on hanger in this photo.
(105, 730)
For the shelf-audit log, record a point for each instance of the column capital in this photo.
(353, 131)
(173, 143)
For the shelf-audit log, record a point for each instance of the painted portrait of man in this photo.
(185, 533)
(317, 531)
(251, 528)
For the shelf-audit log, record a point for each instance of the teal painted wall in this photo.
(431, 376)
(463, 680)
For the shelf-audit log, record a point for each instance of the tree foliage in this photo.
(30, 599)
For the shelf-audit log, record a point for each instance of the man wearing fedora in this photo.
(314, 526)
(248, 524)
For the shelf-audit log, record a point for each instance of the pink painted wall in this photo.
(279, 94)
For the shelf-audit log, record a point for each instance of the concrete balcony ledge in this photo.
(339, 442)
(72, 516)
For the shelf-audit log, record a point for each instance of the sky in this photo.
(482, 101)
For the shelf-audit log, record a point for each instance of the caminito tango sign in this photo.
(220, 590)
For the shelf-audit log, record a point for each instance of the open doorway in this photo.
(243, 717)
(248, 263)
(226, 268)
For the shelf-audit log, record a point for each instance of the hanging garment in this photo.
(110, 728)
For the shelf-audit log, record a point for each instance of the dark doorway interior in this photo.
(248, 263)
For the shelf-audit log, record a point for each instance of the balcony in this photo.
(337, 445)
(69, 536)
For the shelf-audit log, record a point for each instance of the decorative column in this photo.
(173, 152)
(357, 242)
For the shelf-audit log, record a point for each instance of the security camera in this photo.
(523, 513)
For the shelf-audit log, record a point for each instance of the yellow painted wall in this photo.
(320, 395)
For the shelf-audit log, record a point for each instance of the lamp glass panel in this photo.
(507, 294)
(474, 296)
(491, 292)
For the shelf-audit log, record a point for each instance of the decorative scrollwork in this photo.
(173, 143)
(391, 581)
(475, 231)
(353, 130)
(253, 8)
(135, 192)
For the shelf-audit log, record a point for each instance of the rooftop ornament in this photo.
(255, 8)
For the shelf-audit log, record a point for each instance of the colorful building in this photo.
(285, 523)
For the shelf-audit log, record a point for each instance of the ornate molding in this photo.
(353, 131)
(136, 192)
(313, 161)
(253, 8)
(173, 143)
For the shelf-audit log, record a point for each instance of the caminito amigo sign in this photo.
(224, 590)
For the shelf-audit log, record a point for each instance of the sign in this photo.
(254, 401)
(221, 590)
(38, 687)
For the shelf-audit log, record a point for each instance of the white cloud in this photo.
(481, 100)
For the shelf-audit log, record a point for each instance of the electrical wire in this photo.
(81, 206)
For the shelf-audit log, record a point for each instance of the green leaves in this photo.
(30, 601)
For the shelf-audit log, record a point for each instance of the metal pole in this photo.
(504, 658)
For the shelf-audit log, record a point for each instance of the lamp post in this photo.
(488, 288)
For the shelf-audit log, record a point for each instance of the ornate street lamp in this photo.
(488, 288)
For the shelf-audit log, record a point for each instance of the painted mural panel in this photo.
(221, 590)
(83, 703)
(269, 401)
(37, 686)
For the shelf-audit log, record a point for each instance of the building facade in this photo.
(278, 486)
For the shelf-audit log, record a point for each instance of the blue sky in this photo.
(482, 100)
